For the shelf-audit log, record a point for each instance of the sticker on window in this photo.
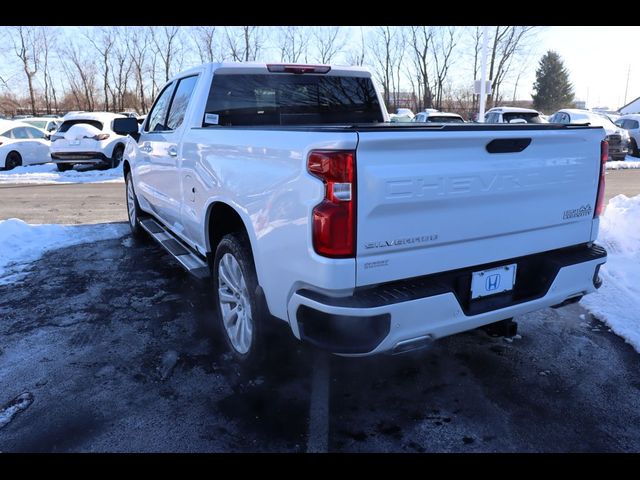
(211, 118)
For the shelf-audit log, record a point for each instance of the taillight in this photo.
(334, 219)
(604, 156)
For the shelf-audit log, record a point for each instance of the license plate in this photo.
(74, 142)
(493, 281)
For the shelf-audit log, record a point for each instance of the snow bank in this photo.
(48, 173)
(21, 243)
(618, 300)
(629, 162)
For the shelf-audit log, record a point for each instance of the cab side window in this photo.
(158, 115)
(180, 102)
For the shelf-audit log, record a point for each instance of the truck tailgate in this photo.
(432, 201)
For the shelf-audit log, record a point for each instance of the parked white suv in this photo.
(617, 137)
(513, 115)
(631, 123)
(87, 138)
(437, 117)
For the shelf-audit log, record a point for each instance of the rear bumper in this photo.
(397, 315)
(79, 157)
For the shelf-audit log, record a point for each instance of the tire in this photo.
(118, 152)
(12, 161)
(234, 276)
(618, 158)
(633, 147)
(63, 167)
(134, 212)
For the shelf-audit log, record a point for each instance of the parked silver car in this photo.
(631, 123)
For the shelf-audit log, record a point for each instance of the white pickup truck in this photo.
(287, 185)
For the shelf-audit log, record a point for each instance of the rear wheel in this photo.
(63, 167)
(12, 161)
(241, 314)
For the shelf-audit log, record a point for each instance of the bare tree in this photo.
(383, 48)
(477, 49)
(443, 44)
(421, 38)
(48, 41)
(26, 45)
(208, 44)
(356, 56)
(102, 39)
(121, 67)
(293, 43)
(245, 43)
(507, 43)
(167, 43)
(137, 48)
(85, 71)
(328, 42)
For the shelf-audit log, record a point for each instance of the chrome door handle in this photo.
(173, 151)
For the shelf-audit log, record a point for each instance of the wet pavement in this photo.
(112, 347)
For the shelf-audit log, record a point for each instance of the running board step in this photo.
(183, 254)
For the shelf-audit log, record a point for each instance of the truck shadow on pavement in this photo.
(116, 344)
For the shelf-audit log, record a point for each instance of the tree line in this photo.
(53, 69)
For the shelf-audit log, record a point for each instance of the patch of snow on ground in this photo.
(23, 243)
(48, 173)
(628, 162)
(618, 300)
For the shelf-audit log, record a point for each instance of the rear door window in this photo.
(289, 99)
(19, 133)
(34, 132)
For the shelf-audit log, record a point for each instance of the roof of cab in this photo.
(229, 68)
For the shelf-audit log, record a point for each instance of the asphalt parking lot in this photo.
(110, 347)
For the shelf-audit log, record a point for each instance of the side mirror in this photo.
(47, 136)
(126, 126)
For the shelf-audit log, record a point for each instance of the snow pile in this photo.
(80, 131)
(623, 164)
(618, 300)
(48, 173)
(21, 243)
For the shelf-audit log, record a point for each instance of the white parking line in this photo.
(318, 441)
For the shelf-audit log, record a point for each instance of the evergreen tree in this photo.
(553, 90)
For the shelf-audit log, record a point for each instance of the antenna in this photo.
(626, 88)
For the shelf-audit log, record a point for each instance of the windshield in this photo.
(37, 123)
(530, 117)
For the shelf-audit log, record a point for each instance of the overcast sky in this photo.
(598, 59)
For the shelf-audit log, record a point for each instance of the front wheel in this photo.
(133, 209)
(238, 304)
(118, 152)
(633, 149)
